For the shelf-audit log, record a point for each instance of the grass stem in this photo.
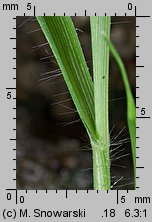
(100, 54)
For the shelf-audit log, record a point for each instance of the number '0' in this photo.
(129, 6)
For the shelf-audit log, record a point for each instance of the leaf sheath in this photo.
(100, 54)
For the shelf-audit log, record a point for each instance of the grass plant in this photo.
(90, 96)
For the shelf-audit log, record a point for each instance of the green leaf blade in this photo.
(62, 38)
(131, 109)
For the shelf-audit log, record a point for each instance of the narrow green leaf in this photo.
(100, 54)
(131, 109)
(63, 40)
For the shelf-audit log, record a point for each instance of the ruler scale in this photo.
(75, 205)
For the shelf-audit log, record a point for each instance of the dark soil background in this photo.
(53, 150)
